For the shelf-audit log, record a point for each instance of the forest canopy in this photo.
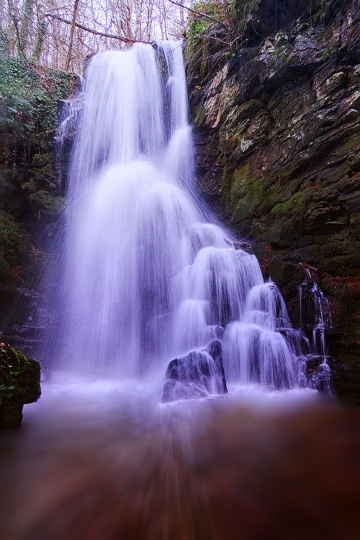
(62, 34)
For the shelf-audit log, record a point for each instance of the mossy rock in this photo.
(10, 414)
(250, 196)
(43, 202)
(15, 245)
(29, 95)
(293, 206)
(199, 115)
(5, 272)
(19, 384)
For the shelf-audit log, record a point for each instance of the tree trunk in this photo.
(41, 32)
(25, 24)
(68, 59)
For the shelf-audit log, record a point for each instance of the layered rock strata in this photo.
(277, 128)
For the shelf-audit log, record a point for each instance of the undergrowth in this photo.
(216, 33)
(29, 95)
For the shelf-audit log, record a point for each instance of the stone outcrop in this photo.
(277, 128)
(19, 385)
(196, 375)
(30, 194)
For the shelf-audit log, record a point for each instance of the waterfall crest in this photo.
(147, 277)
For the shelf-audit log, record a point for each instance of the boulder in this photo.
(318, 373)
(196, 375)
(19, 384)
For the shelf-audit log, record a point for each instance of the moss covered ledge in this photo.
(19, 385)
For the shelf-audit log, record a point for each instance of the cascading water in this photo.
(315, 318)
(147, 278)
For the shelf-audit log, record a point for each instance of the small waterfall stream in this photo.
(315, 319)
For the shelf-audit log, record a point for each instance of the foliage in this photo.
(43, 202)
(221, 10)
(29, 95)
(231, 14)
(13, 239)
(216, 32)
(29, 98)
(12, 364)
(208, 14)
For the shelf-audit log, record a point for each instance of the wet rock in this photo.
(196, 375)
(43, 202)
(318, 373)
(280, 158)
(19, 385)
(268, 16)
(31, 202)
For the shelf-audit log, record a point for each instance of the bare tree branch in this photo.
(91, 31)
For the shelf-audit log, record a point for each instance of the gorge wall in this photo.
(31, 199)
(276, 110)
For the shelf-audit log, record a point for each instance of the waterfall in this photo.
(147, 277)
(315, 318)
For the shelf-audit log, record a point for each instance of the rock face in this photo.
(30, 194)
(19, 384)
(196, 375)
(277, 128)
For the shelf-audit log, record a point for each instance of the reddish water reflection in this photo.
(123, 469)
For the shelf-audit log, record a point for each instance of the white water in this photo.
(315, 309)
(147, 278)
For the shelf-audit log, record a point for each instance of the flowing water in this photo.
(147, 276)
(316, 318)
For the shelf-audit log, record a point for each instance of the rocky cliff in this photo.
(30, 195)
(276, 109)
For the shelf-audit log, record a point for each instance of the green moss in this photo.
(284, 223)
(326, 55)
(241, 112)
(29, 95)
(279, 50)
(14, 241)
(43, 202)
(292, 207)
(42, 172)
(286, 58)
(19, 384)
(251, 196)
(13, 364)
(199, 115)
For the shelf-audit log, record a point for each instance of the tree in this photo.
(61, 35)
(27, 13)
(68, 58)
